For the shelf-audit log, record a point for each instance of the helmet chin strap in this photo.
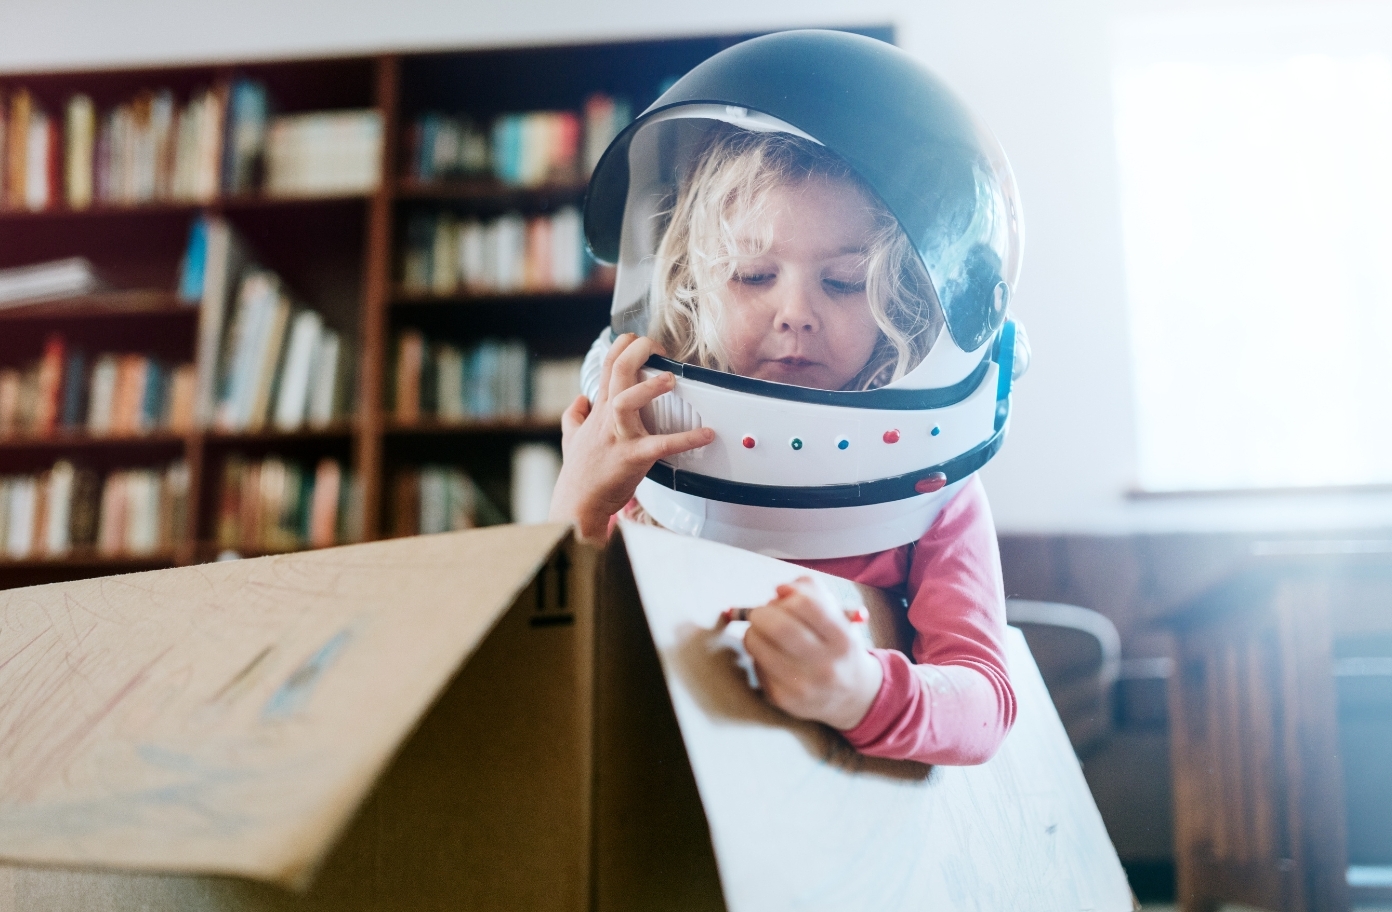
(792, 534)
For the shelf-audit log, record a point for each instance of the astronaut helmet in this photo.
(824, 242)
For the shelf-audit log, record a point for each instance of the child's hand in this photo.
(809, 659)
(606, 447)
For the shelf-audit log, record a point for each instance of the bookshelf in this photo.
(340, 252)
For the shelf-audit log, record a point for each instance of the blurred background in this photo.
(1200, 459)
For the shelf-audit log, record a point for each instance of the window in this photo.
(1255, 153)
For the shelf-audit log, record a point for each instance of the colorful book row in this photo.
(134, 512)
(110, 395)
(444, 254)
(221, 140)
(436, 498)
(275, 504)
(269, 362)
(443, 382)
(526, 149)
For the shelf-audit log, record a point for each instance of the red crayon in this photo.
(854, 615)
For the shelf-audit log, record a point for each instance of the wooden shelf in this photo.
(589, 292)
(89, 442)
(487, 190)
(88, 558)
(275, 435)
(244, 203)
(465, 428)
(149, 303)
(208, 551)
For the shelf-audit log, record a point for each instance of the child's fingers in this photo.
(628, 364)
(606, 370)
(575, 415)
(660, 446)
(785, 632)
(628, 404)
(826, 622)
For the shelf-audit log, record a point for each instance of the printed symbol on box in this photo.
(552, 593)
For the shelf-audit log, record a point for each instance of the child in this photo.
(777, 264)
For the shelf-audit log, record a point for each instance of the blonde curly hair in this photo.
(706, 232)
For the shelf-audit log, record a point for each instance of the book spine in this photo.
(50, 387)
(81, 135)
(17, 150)
(58, 537)
(74, 391)
(410, 354)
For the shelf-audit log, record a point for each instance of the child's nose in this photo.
(797, 310)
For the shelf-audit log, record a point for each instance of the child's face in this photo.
(799, 313)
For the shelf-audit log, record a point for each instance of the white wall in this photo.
(1036, 70)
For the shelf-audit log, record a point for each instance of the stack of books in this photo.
(324, 153)
(444, 254)
(65, 509)
(442, 382)
(66, 278)
(279, 505)
(110, 395)
(527, 149)
(222, 140)
(437, 498)
(269, 362)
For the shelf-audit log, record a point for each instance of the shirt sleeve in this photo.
(956, 704)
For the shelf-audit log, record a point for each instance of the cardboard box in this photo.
(485, 720)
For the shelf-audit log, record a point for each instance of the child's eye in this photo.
(754, 278)
(844, 286)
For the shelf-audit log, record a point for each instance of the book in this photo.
(85, 511)
(350, 508)
(150, 412)
(227, 532)
(225, 262)
(410, 353)
(244, 147)
(128, 395)
(327, 152)
(535, 468)
(142, 512)
(10, 380)
(193, 266)
(74, 391)
(330, 384)
(269, 356)
(257, 299)
(293, 395)
(555, 385)
(57, 539)
(112, 521)
(405, 502)
(444, 259)
(449, 379)
(17, 149)
(64, 278)
(324, 507)
(80, 152)
(602, 124)
(102, 395)
(510, 253)
(38, 174)
(50, 389)
(19, 539)
(182, 386)
(174, 505)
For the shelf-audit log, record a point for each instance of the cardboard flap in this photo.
(230, 718)
(800, 820)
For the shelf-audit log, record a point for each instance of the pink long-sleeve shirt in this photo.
(952, 703)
